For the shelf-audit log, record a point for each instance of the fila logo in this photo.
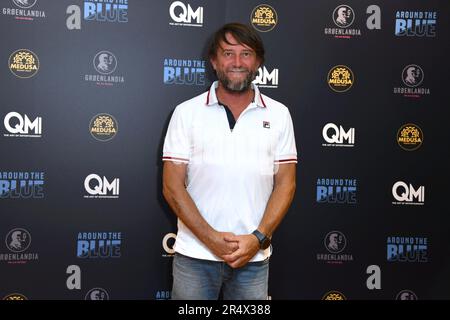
(266, 124)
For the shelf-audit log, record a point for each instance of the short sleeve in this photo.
(286, 151)
(176, 143)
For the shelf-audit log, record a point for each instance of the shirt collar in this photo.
(211, 97)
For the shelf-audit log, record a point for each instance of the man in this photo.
(229, 175)
(104, 62)
(17, 238)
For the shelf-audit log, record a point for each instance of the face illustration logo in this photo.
(105, 62)
(97, 294)
(25, 4)
(335, 242)
(406, 295)
(343, 16)
(412, 75)
(412, 78)
(18, 240)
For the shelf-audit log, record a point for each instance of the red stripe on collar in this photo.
(207, 97)
(260, 97)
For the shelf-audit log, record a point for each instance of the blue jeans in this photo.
(196, 279)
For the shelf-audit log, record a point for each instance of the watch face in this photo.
(265, 243)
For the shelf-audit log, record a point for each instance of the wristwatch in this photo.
(264, 241)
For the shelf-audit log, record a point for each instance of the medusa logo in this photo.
(15, 296)
(343, 16)
(340, 78)
(23, 63)
(264, 18)
(18, 240)
(105, 62)
(335, 242)
(103, 127)
(334, 295)
(412, 75)
(410, 137)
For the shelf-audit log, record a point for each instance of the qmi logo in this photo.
(337, 136)
(21, 126)
(266, 79)
(98, 187)
(407, 194)
(183, 15)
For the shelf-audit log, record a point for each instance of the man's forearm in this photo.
(184, 207)
(277, 207)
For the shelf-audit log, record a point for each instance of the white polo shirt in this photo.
(229, 172)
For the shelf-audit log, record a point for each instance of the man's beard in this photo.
(236, 86)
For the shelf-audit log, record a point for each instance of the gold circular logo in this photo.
(340, 78)
(264, 18)
(103, 127)
(334, 295)
(15, 296)
(23, 63)
(410, 137)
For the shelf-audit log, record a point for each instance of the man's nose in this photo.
(237, 61)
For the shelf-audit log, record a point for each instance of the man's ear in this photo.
(213, 63)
